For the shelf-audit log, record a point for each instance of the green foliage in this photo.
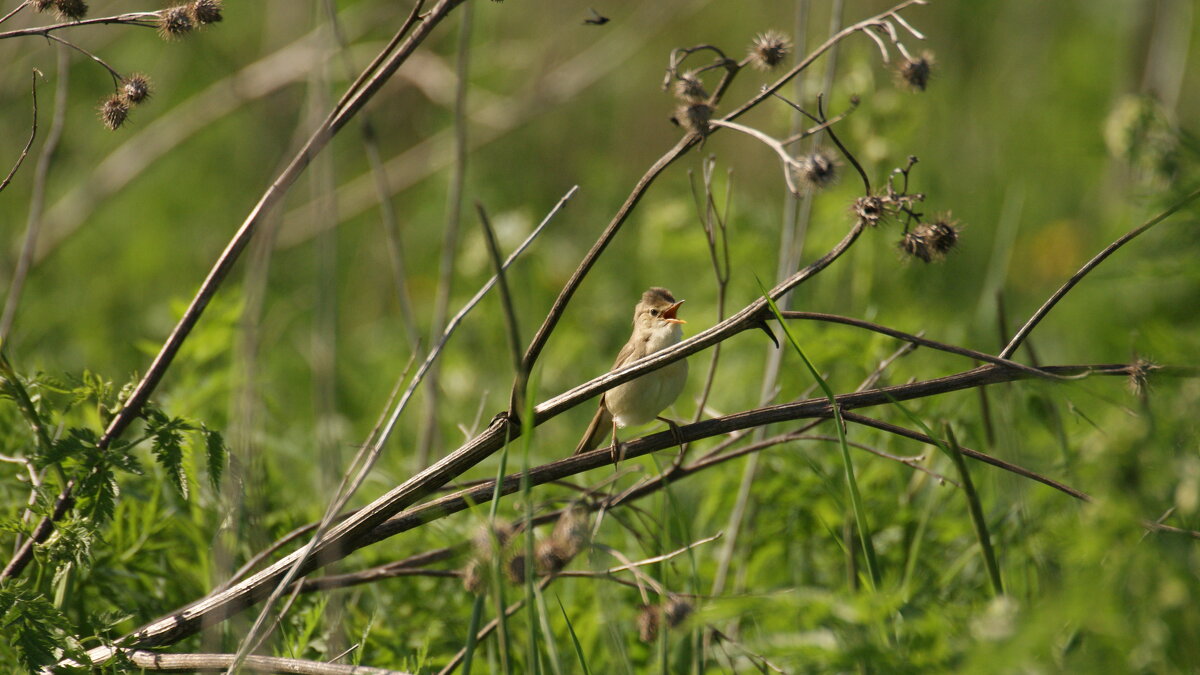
(35, 627)
(1048, 129)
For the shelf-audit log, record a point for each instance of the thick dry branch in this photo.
(198, 663)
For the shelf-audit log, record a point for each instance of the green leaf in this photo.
(167, 447)
(216, 454)
(33, 625)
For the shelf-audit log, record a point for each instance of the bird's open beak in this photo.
(668, 314)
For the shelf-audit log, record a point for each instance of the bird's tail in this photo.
(597, 431)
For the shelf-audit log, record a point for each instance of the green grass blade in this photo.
(574, 638)
(952, 449)
(976, 510)
(860, 515)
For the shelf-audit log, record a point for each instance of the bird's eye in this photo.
(654, 312)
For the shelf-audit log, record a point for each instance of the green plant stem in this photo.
(975, 508)
(860, 514)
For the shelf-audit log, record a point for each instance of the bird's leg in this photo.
(618, 453)
(677, 436)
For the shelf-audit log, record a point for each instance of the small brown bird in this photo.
(639, 401)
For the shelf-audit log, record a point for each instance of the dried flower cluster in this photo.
(915, 72)
(694, 117)
(496, 543)
(72, 10)
(817, 170)
(931, 241)
(650, 617)
(689, 88)
(769, 49)
(175, 22)
(114, 110)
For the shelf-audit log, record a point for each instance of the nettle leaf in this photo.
(71, 543)
(121, 456)
(216, 453)
(98, 494)
(33, 625)
(167, 446)
(76, 444)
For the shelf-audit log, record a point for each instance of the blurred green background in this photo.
(1048, 130)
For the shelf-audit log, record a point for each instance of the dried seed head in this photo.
(817, 170)
(677, 610)
(694, 117)
(648, 619)
(550, 556)
(514, 569)
(769, 49)
(943, 235)
(573, 531)
(916, 244)
(869, 210)
(135, 89)
(42, 5)
(473, 577)
(175, 22)
(491, 539)
(915, 72)
(690, 89)
(71, 9)
(930, 241)
(113, 112)
(205, 11)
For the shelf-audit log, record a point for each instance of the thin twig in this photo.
(1042, 311)
(33, 125)
(925, 342)
(37, 195)
(143, 19)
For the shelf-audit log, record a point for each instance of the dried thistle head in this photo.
(694, 117)
(573, 530)
(943, 235)
(915, 72)
(677, 610)
(175, 22)
(206, 11)
(930, 241)
(113, 112)
(474, 579)
(869, 210)
(914, 243)
(817, 170)
(648, 619)
(551, 556)
(769, 49)
(690, 89)
(135, 89)
(514, 569)
(491, 539)
(73, 10)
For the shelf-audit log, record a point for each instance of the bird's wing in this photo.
(600, 427)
